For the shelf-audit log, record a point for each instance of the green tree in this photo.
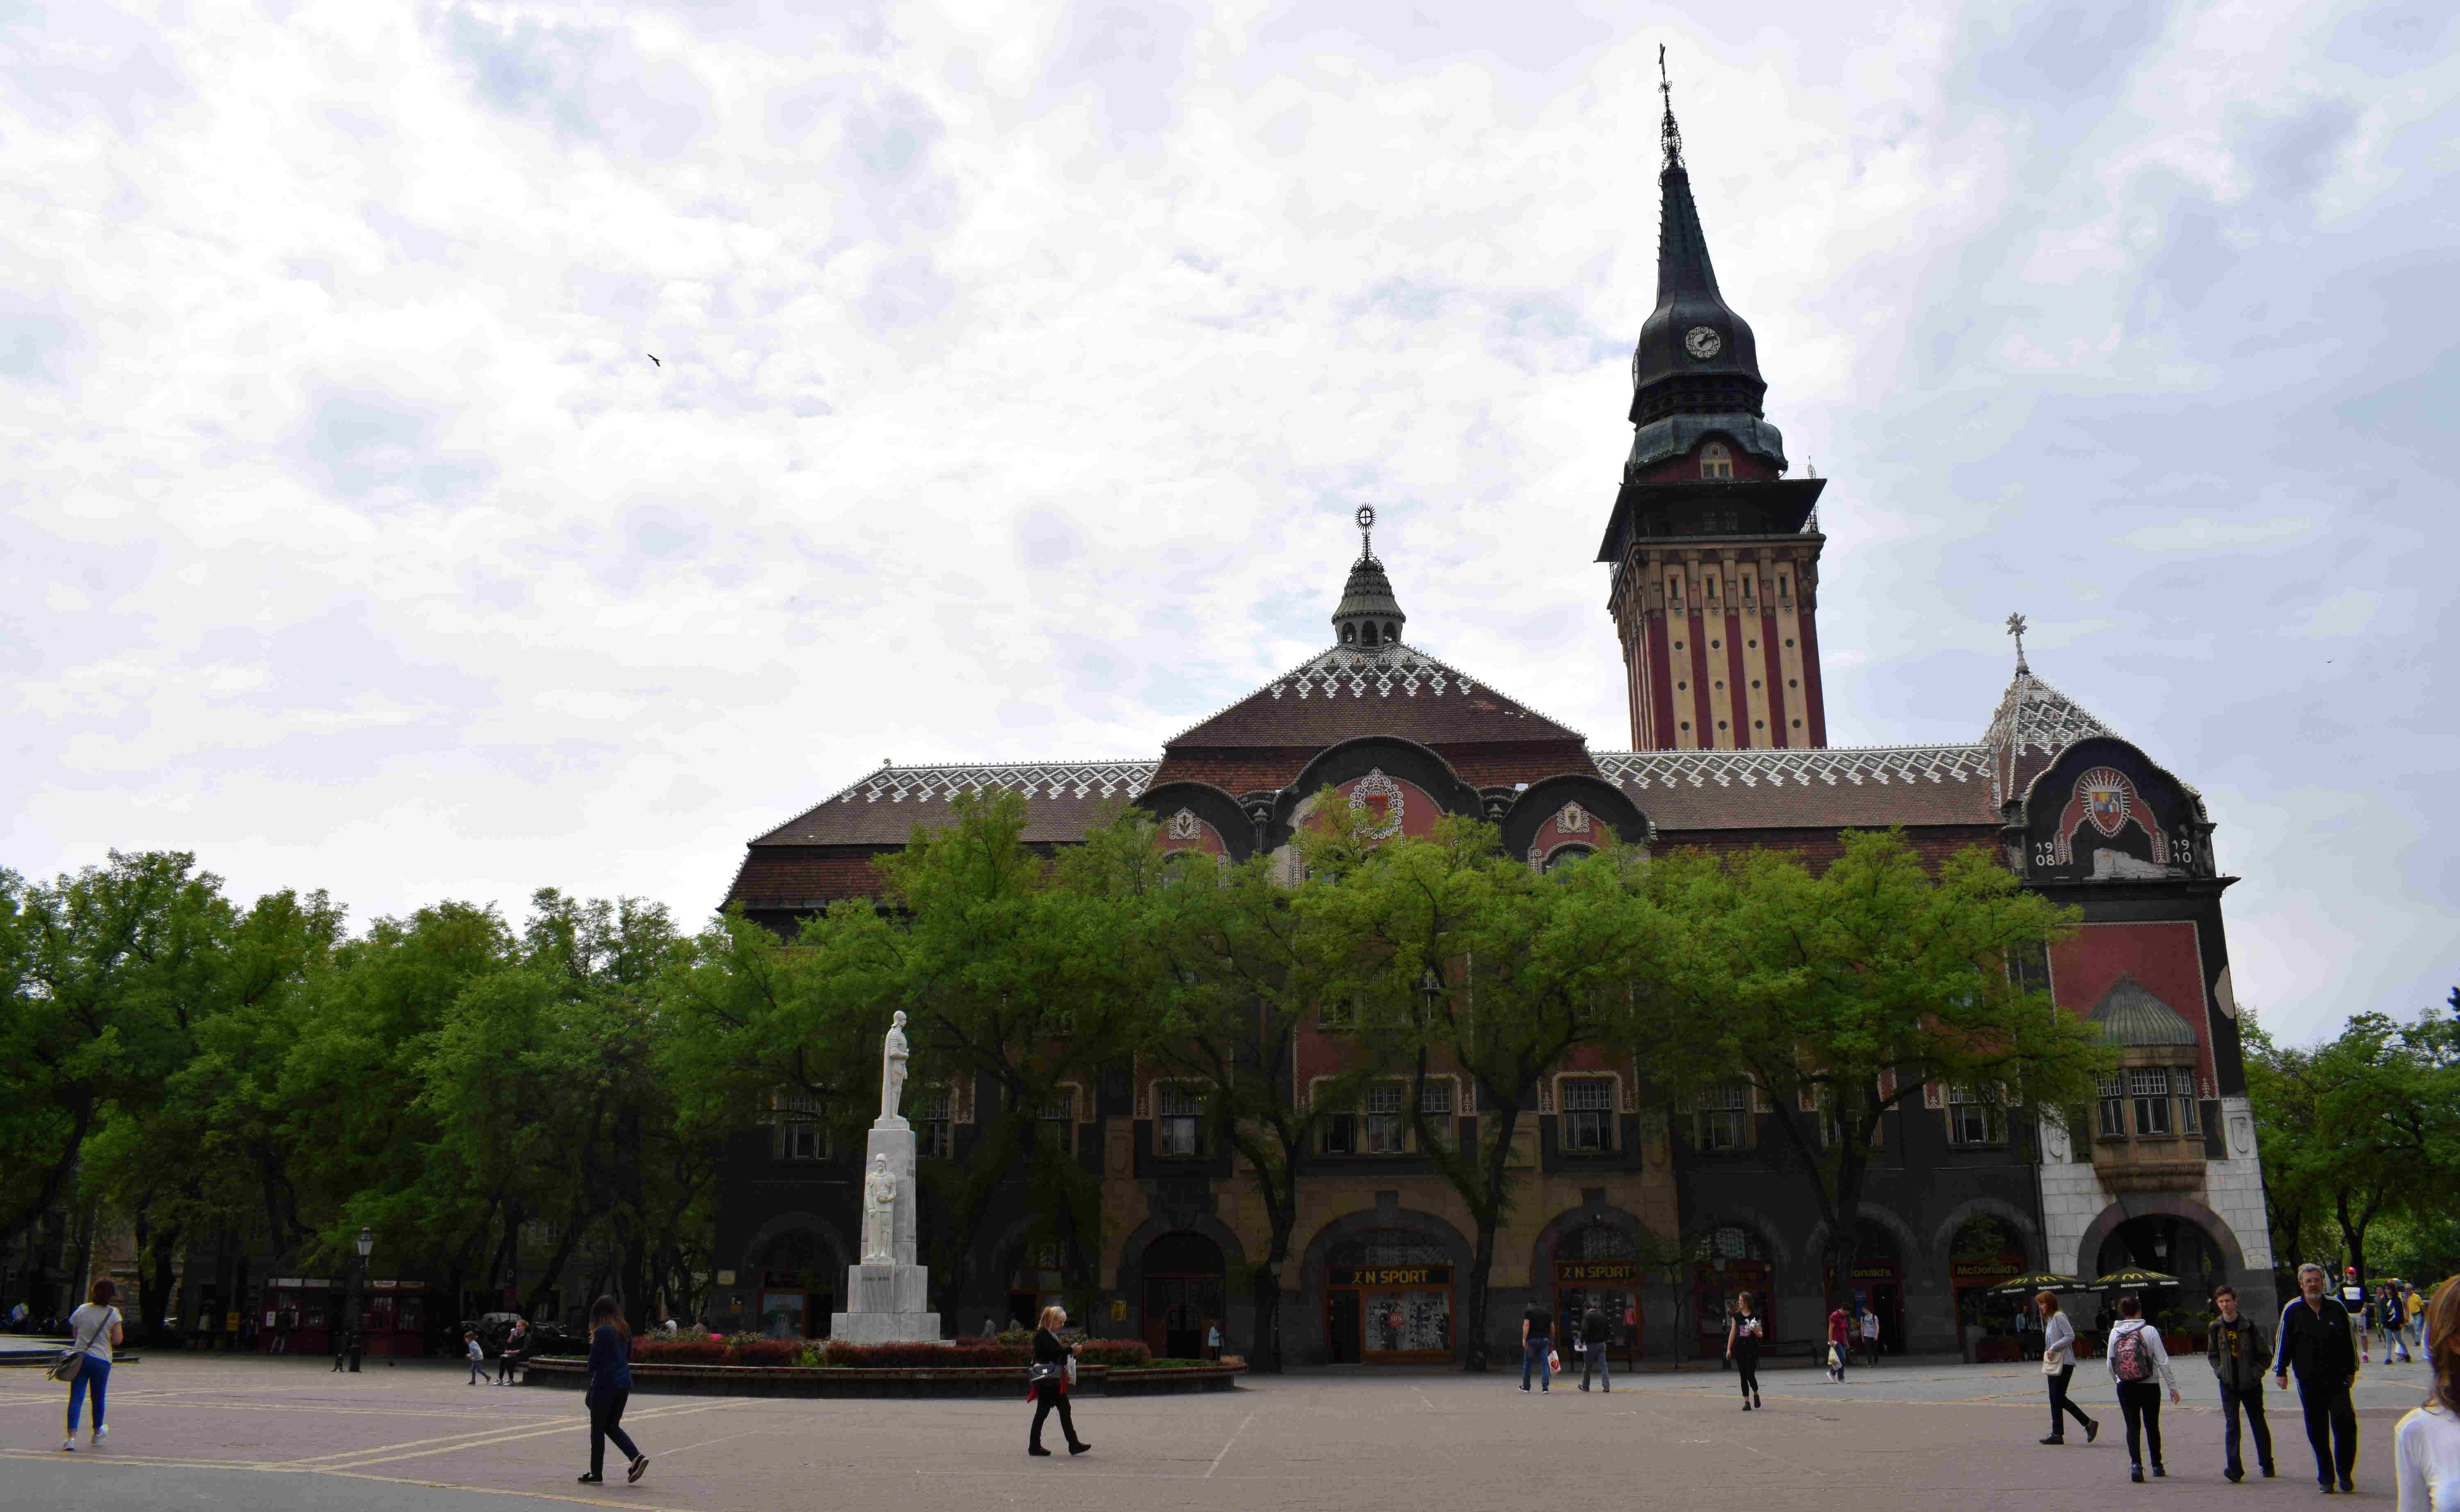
(1461, 957)
(1838, 995)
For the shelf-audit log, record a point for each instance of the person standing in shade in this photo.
(2140, 1366)
(2426, 1445)
(2315, 1341)
(1744, 1331)
(610, 1386)
(2237, 1355)
(94, 1329)
(1594, 1334)
(1047, 1383)
(1870, 1335)
(1537, 1347)
(2395, 1322)
(1841, 1342)
(2059, 1364)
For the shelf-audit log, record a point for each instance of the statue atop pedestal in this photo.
(887, 1294)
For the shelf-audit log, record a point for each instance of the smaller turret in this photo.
(1368, 617)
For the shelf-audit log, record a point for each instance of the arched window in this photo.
(1350, 635)
(1716, 461)
(1366, 637)
(1392, 632)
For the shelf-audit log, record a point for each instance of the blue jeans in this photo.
(1533, 1355)
(95, 1376)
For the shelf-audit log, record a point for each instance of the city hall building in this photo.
(1714, 596)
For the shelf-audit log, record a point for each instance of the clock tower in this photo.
(1715, 551)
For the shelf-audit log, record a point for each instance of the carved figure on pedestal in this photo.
(880, 1212)
(892, 1067)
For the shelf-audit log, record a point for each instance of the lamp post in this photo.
(350, 1309)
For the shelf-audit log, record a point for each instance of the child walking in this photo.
(477, 1358)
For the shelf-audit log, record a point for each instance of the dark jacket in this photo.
(1048, 1351)
(1594, 1328)
(2316, 1344)
(2237, 1355)
(610, 1362)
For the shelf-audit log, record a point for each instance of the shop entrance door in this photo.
(1343, 1335)
(1182, 1294)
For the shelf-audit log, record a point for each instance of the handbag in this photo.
(1043, 1371)
(72, 1360)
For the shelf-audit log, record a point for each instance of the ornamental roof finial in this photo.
(1668, 134)
(2016, 627)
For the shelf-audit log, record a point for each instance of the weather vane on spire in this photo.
(1668, 132)
(2016, 627)
(1365, 530)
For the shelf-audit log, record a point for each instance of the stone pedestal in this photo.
(889, 1302)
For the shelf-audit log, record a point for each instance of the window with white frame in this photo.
(2150, 1087)
(1725, 1118)
(1060, 1107)
(1178, 1119)
(2113, 1108)
(2190, 1114)
(934, 1118)
(1586, 1124)
(797, 1132)
(1436, 1104)
(1974, 1118)
(1384, 1101)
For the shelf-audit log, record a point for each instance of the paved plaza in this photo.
(206, 1432)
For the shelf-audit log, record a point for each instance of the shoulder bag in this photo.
(73, 1358)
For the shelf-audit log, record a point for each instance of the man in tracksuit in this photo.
(2315, 1341)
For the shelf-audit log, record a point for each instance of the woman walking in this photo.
(610, 1386)
(2426, 1446)
(1743, 1335)
(2058, 1363)
(92, 1331)
(1047, 1382)
(2136, 1358)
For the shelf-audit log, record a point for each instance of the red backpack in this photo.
(2128, 1359)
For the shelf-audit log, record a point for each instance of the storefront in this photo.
(1388, 1314)
(796, 1304)
(1879, 1285)
(1730, 1260)
(1182, 1294)
(298, 1315)
(393, 1318)
(1610, 1286)
(1986, 1254)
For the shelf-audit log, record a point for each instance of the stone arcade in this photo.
(1714, 556)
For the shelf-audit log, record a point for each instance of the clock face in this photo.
(1702, 342)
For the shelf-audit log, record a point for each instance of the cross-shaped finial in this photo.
(2016, 627)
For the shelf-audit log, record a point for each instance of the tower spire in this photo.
(1668, 135)
(1368, 616)
(2016, 627)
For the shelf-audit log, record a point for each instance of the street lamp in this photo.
(351, 1311)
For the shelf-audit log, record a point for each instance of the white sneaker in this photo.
(99, 1433)
(67, 1446)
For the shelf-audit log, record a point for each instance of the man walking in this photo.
(2315, 1341)
(1841, 1342)
(1596, 1332)
(1869, 1334)
(1537, 1347)
(2237, 1356)
(2395, 1325)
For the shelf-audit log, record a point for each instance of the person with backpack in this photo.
(1596, 1332)
(2139, 1365)
(2059, 1364)
(2237, 1356)
(2315, 1341)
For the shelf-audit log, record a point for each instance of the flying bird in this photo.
(654, 357)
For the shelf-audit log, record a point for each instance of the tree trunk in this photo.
(1475, 1357)
(1281, 1211)
(154, 1281)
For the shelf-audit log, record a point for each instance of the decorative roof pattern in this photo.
(1829, 765)
(2035, 716)
(1350, 676)
(868, 812)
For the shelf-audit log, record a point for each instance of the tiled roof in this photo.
(1830, 787)
(2034, 723)
(2129, 1014)
(1063, 800)
(1346, 692)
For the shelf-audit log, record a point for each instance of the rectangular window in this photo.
(1725, 1119)
(2151, 1092)
(1341, 1134)
(1061, 1106)
(1436, 1102)
(1973, 1119)
(802, 1142)
(1588, 1115)
(933, 1121)
(2113, 1108)
(1178, 1122)
(1384, 1104)
(2189, 1112)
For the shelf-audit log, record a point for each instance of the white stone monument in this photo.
(888, 1295)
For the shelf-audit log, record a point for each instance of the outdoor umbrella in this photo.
(2126, 1276)
(2039, 1281)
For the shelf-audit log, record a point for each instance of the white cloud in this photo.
(1023, 365)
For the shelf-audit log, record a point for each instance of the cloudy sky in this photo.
(1024, 362)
